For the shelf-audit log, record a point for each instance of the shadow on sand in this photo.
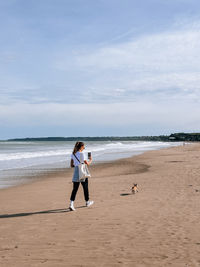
(3, 216)
(125, 194)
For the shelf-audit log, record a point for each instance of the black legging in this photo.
(85, 189)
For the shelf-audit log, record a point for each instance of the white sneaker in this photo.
(89, 203)
(71, 206)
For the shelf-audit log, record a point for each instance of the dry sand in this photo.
(158, 226)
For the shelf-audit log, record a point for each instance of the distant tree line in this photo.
(165, 138)
(192, 137)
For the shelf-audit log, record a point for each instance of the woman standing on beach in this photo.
(77, 157)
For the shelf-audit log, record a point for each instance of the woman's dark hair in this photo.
(77, 147)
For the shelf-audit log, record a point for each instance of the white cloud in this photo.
(127, 115)
(169, 52)
(150, 63)
(162, 65)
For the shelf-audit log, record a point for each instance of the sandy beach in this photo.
(158, 226)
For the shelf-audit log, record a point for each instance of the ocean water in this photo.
(22, 161)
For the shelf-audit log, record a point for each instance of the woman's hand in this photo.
(72, 163)
(88, 162)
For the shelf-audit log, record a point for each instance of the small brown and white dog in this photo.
(134, 188)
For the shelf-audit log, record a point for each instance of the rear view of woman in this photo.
(77, 158)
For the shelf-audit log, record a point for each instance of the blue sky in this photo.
(89, 68)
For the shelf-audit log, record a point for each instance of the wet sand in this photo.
(158, 226)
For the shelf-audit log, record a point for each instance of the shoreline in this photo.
(56, 171)
(158, 226)
(63, 171)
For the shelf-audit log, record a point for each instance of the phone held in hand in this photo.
(89, 155)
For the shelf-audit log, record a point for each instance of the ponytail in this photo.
(77, 146)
